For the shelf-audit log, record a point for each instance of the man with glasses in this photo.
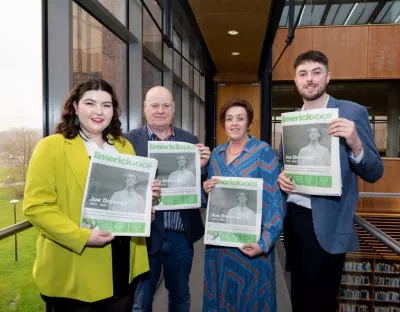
(173, 232)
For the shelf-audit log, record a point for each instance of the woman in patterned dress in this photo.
(243, 279)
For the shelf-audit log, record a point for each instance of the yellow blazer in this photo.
(54, 189)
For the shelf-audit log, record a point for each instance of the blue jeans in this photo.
(175, 257)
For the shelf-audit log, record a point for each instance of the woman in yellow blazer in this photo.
(80, 269)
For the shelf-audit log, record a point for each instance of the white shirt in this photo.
(126, 201)
(92, 146)
(181, 178)
(305, 200)
(314, 155)
(241, 215)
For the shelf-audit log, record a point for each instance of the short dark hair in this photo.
(176, 159)
(242, 192)
(311, 56)
(236, 102)
(313, 127)
(68, 127)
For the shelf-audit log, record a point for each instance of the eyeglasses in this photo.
(156, 106)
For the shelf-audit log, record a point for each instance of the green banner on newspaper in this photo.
(237, 182)
(123, 160)
(113, 226)
(312, 180)
(173, 200)
(171, 146)
(306, 117)
(230, 237)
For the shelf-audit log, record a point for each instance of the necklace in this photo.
(233, 154)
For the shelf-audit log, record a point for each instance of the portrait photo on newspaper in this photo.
(179, 173)
(307, 145)
(232, 206)
(310, 155)
(117, 189)
(234, 212)
(118, 194)
(176, 170)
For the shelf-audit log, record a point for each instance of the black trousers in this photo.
(315, 273)
(123, 304)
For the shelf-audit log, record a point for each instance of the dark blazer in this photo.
(191, 218)
(333, 215)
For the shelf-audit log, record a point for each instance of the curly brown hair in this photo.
(67, 126)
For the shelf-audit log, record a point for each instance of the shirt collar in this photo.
(314, 145)
(152, 135)
(326, 103)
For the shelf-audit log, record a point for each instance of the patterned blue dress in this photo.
(233, 281)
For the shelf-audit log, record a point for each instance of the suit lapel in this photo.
(143, 142)
(78, 159)
(332, 102)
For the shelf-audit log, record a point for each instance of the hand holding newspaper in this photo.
(310, 155)
(234, 212)
(118, 194)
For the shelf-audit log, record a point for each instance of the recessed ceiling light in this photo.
(235, 53)
(233, 32)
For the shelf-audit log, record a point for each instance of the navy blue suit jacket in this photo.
(333, 215)
(191, 218)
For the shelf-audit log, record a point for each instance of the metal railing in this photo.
(14, 229)
(381, 236)
(378, 234)
(380, 194)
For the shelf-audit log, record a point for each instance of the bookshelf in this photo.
(370, 284)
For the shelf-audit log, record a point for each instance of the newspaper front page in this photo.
(310, 154)
(234, 212)
(118, 194)
(179, 173)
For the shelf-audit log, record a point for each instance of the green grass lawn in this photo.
(18, 292)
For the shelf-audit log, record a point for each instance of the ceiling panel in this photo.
(216, 17)
(342, 14)
(369, 8)
(331, 14)
(318, 11)
(355, 13)
(392, 13)
(284, 17)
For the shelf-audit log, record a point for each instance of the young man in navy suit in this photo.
(173, 233)
(319, 230)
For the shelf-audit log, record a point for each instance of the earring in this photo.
(76, 121)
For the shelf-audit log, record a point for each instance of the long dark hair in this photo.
(70, 129)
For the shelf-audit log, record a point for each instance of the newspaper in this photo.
(310, 154)
(118, 194)
(234, 212)
(179, 173)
